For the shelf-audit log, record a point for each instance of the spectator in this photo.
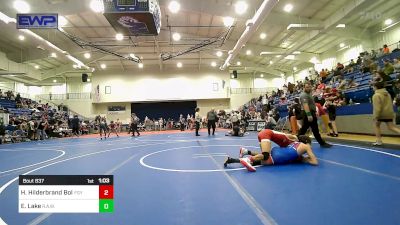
(365, 66)
(342, 84)
(388, 67)
(396, 65)
(382, 110)
(75, 125)
(340, 99)
(291, 88)
(352, 83)
(282, 101)
(270, 122)
(386, 50)
(359, 60)
(323, 74)
(295, 116)
(322, 114)
(387, 81)
(373, 55)
(339, 66)
(380, 53)
(331, 108)
(321, 85)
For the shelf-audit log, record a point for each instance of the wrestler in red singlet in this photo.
(279, 138)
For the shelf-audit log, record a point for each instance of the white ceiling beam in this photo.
(331, 22)
(59, 71)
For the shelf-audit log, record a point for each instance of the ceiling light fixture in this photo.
(97, 6)
(213, 64)
(341, 45)
(228, 21)
(388, 21)
(263, 35)
(294, 68)
(53, 55)
(288, 7)
(37, 67)
(21, 6)
(219, 54)
(176, 36)
(291, 57)
(341, 25)
(119, 37)
(140, 65)
(174, 6)
(87, 55)
(248, 52)
(241, 7)
(262, 75)
(270, 62)
(54, 81)
(21, 37)
(179, 65)
(103, 66)
(238, 63)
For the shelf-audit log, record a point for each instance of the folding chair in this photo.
(281, 124)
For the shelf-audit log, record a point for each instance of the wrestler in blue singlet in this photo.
(285, 155)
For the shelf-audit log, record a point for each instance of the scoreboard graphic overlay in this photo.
(66, 194)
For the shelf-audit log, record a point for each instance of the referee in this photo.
(310, 118)
(211, 119)
(197, 121)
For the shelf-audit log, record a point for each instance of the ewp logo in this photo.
(34, 21)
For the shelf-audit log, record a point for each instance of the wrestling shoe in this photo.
(378, 143)
(227, 161)
(246, 163)
(243, 152)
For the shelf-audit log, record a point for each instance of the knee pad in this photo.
(266, 155)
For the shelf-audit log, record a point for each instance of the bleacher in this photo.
(360, 94)
(11, 106)
(7, 104)
(19, 112)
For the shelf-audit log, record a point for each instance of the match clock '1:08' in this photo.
(104, 180)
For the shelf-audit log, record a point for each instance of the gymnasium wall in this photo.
(83, 107)
(169, 85)
(389, 37)
(359, 124)
(206, 105)
(102, 109)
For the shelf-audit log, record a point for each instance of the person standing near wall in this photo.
(118, 124)
(134, 125)
(182, 122)
(75, 125)
(211, 119)
(310, 116)
(103, 128)
(382, 109)
(197, 119)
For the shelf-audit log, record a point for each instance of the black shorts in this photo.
(332, 117)
(385, 120)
